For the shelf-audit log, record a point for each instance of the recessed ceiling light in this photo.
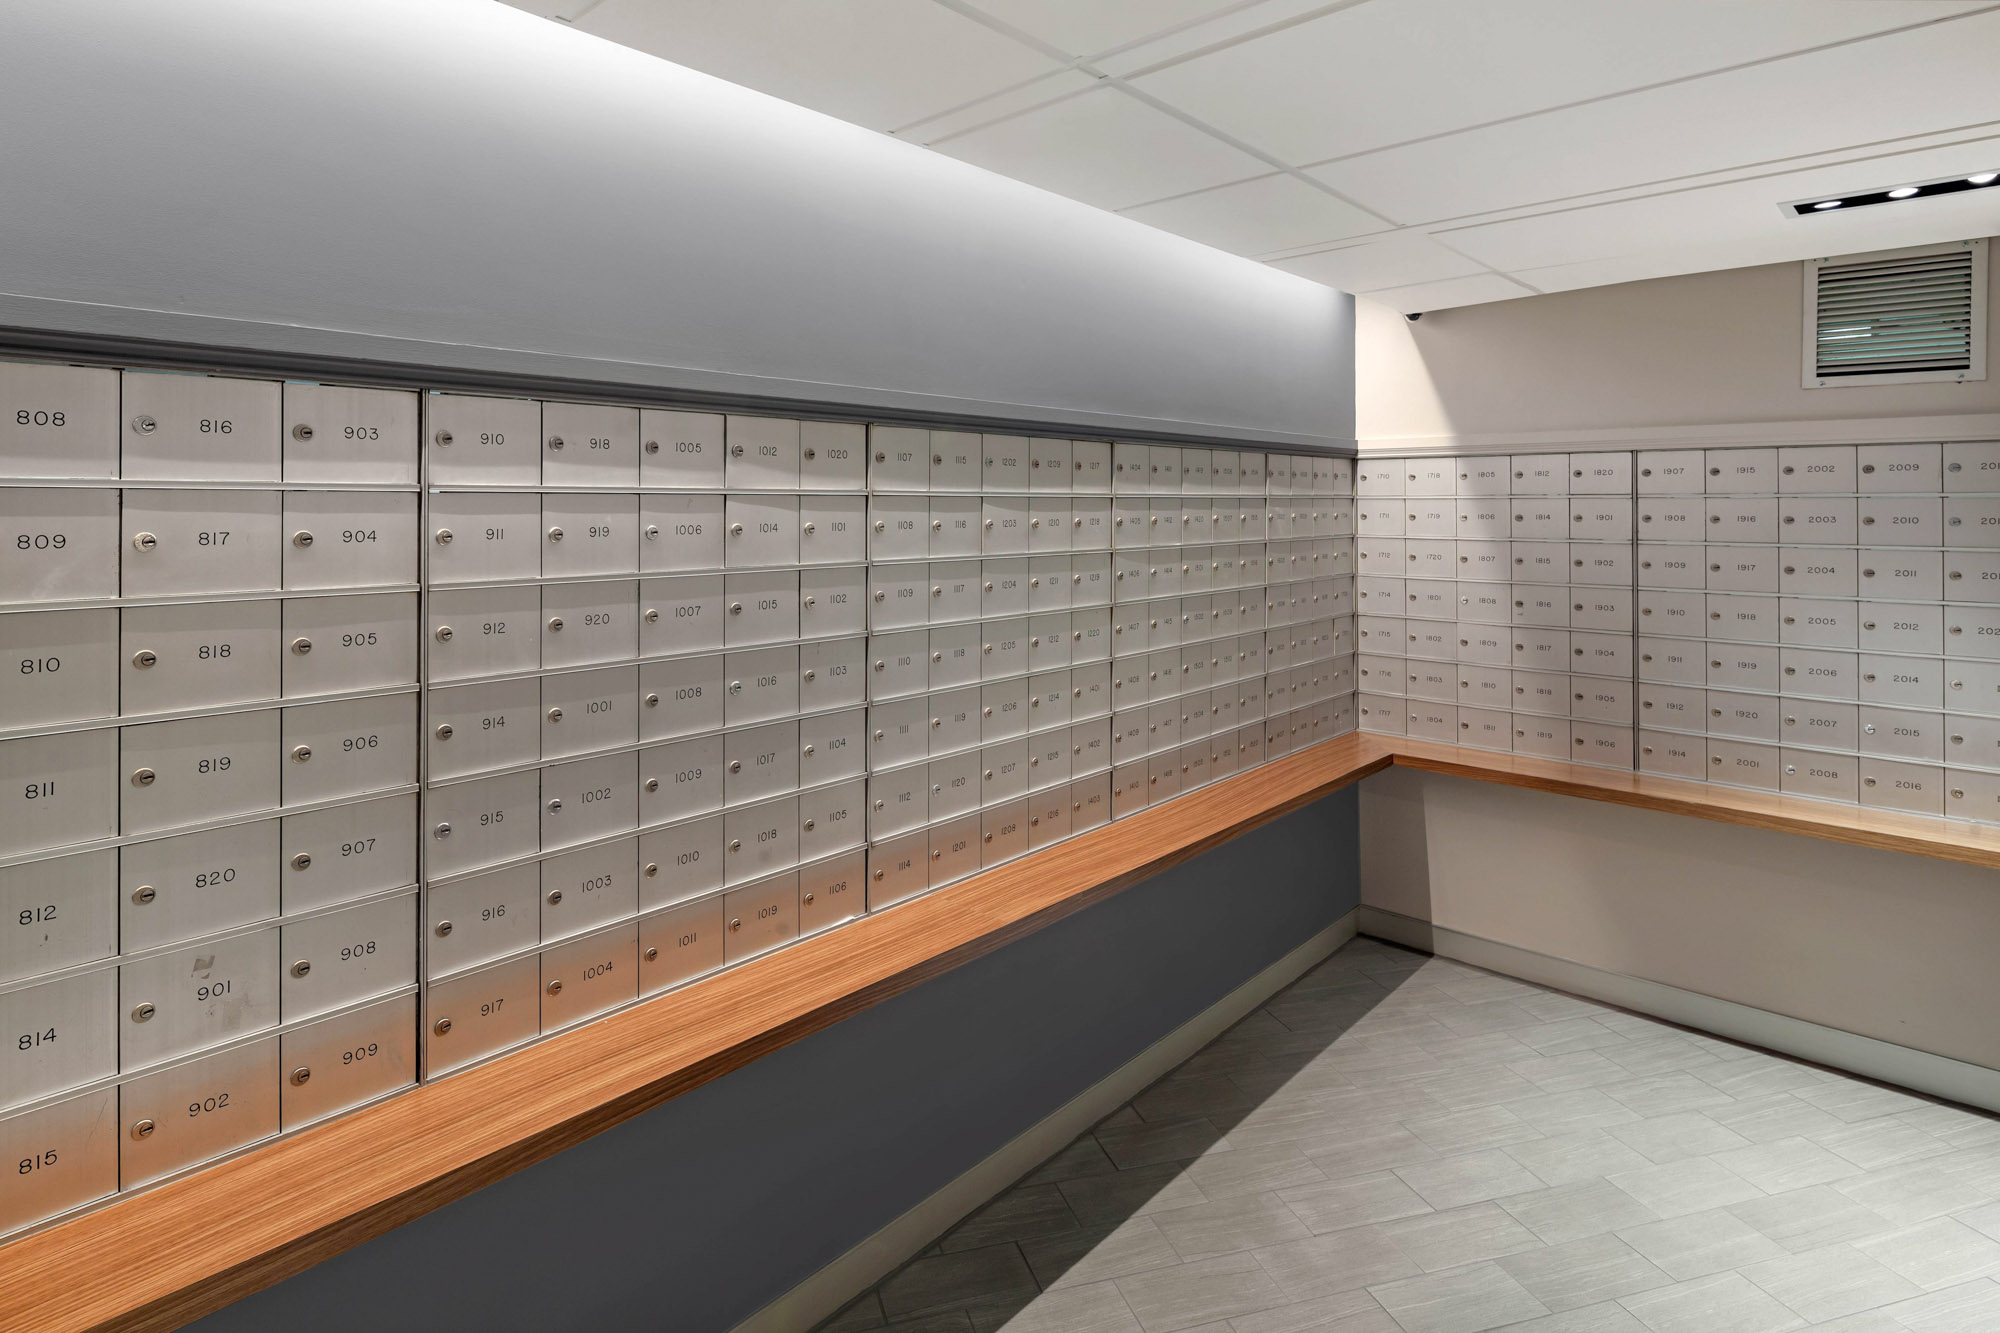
(1892, 194)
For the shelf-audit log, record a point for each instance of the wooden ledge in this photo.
(155, 1261)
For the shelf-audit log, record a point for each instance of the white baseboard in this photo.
(1886, 1062)
(880, 1254)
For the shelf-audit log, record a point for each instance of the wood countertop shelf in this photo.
(155, 1261)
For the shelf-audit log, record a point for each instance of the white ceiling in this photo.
(1424, 153)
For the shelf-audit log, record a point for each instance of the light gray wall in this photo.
(697, 1214)
(1698, 350)
(460, 184)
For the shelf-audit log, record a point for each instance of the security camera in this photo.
(1414, 316)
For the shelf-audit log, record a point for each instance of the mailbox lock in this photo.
(878, 874)
(810, 750)
(555, 805)
(144, 425)
(302, 432)
(809, 899)
(652, 532)
(300, 1076)
(652, 701)
(808, 676)
(555, 715)
(443, 929)
(652, 785)
(443, 634)
(142, 1129)
(555, 987)
(736, 844)
(555, 624)
(144, 659)
(555, 897)
(652, 870)
(301, 754)
(142, 1013)
(443, 536)
(555, 444)
(145, 541)
(736, 529)
(811, 454)
(301, 647)
(142, 777)
(809, 529)
(652, 615)
(144, 894)
(442, 1026)
(443, 830)
(444, 731)
(443, 439)
(302, 968)
(302, 539)
(303, 861)
(736, 766)
(555, 534)
(652, 955)
(736, 608)
(736, 451)
(809, 601)
(937, 525)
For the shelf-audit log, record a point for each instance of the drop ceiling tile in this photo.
(1426, 296)
(882, 64)
(1393, 70)
(1232, 23)
(1001, 105)
(1104, 148)
(1397, 260)
(1918, 82)
(1740, 223)
(1259, 217)
(1085, 29)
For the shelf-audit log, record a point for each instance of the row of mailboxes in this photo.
(1959, 739)
(501, 630)
(65, 911)
(84, 423)
(1530, 647)
(479, 1011)
(1821, 571)
(1495, 560)
(1867, 780)
(1499, 689)
(1869, 469)
(476, 919)
(86, 664)
(1892, 572)
(1495, 474)
(74, 1152)
(166, 1003)
(1884, 520)
(905, 458)
(83, 786)
(920, 527)
(66, 544)
(1874, 678)
(1571, 740)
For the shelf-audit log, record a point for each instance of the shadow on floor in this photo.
(1080, 1215)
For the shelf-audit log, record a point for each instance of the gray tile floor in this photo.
(1401, 1144)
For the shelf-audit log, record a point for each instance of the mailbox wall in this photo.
(695, 1215)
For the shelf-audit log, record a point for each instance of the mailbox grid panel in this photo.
(765, 724)
(656, 670)
(1816, 621)
(209, 868)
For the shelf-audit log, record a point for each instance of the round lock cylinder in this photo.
(302, 539)
(301, 754)
(555, 444)
(303, 861)
(443, 634)
(142, 1129)
(144, 541)
(144, 894)
(554, 987)
(443, 536)
(301, 1076)
(302, 968)
(443, 929)
(302, 432)
(143, 777)
(652, 954)
(300, 647)
(441, 1027)
(145, 659)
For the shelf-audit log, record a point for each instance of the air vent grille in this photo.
(1899, 316)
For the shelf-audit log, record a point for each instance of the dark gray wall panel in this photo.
(696, 1214)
